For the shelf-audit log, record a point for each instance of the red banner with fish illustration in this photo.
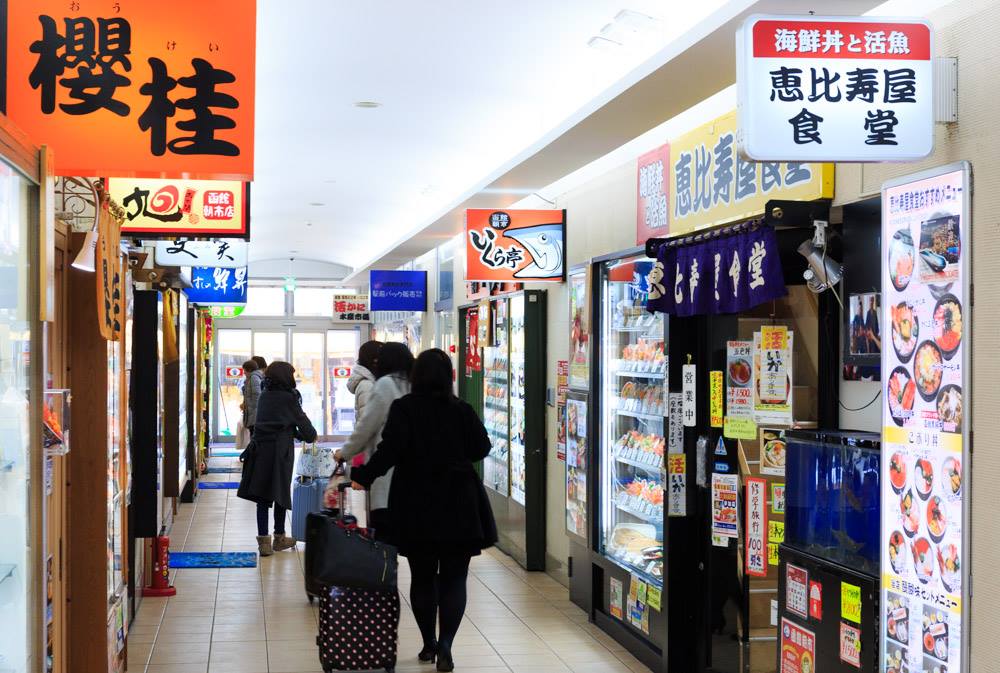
(515, 245)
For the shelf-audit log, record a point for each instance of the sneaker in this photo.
(283, 542)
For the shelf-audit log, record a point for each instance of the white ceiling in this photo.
(465, 85)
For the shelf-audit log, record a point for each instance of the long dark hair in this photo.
(368, 354)
(394, 358)
(433, 374)
(280, 376)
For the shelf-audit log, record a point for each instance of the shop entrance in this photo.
(322, 359)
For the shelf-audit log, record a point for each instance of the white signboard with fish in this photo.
(926, 237)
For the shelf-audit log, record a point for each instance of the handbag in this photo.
(315, 461)
(343, 555)
(242, 436)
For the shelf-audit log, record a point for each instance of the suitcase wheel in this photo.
(312, 599)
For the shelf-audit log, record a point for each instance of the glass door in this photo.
(633, 368)
(271, 345)
(341, 352)
(234, 348)
(308, 351)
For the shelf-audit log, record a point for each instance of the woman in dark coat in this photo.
(439, 513)
(269, 460)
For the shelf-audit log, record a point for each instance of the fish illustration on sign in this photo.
(544, 243)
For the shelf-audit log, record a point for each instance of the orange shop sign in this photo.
(182, 208)
(515, 245)
(134, 87)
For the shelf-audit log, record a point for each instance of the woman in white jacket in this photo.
(393, 381)
(362, 382)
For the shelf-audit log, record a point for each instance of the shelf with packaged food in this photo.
(648, 467)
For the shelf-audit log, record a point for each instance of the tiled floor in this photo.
(258, 620)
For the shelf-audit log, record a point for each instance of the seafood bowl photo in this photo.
(935, 633)
(909, 513)
(948, 325)
(897, 551)
(901, 259)
(951, 469)
(897, 472)
(923, 559)
(897, 618)
(937, 521)
(923, 478)
(901, 392)
(949, 408)
(905, 330)
(740, 372)
(927, 370)
(950, 566)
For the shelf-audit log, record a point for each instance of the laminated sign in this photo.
(183, 208)
(835, 88)
(135, 88)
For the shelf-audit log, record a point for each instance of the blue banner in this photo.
(216, 286)
(398, 290)
(725, 274)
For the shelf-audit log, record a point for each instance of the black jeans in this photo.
(279, 518)
(438, 585)
(379, 520)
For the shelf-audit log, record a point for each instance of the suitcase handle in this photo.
(342, 488)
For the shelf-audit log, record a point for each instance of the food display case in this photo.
(511, 330)
(496, 400)
(631, 417)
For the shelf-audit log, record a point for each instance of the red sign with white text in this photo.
(798, 648)
(841, 39)
(653, 184)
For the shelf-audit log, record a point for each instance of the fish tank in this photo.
(832, 496)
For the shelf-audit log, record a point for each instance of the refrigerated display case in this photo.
(631, 437)
(512, 330)
(496, 400)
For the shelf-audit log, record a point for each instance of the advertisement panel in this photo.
(926, 239)
(136, 88)
(228, 253)
(217, 286)
(711, 184)
(398, 290)
(579, 328)
(835, 88)
(515, 245)
(652, 192)
(182, 208)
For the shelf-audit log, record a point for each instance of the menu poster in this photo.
(926, 241)
(772, 375)
(772, 452)
(579, 316)
(756, 527)
(738, 422)
(715, 398)
(724, 511)
(562, 384)
(798, 648)
(615, 597)
(576, 463)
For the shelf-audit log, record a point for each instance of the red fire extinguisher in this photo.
(160, 580)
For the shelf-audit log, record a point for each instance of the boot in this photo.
(264, 545)
(283, 542)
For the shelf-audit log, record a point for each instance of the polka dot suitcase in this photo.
(358, 629)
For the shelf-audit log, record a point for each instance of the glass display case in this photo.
(631, 421)
(497, 400)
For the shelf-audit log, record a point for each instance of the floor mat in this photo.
(225, 454)
(213, 559)
(223, 470)
(218, 484)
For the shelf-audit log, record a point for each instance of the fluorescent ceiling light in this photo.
(602, 43)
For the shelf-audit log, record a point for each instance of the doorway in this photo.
(322, 358)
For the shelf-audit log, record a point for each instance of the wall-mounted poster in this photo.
(576, 463)
(926, 237)
(515, 245)
(724, 511)
(579, 328)
(738, 422)
(562, 385)
(773, 381)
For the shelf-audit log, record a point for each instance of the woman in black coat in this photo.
(269, 459)
(438, 510)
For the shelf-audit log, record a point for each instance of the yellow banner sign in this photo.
(710, 184)
(182, 208)
(715, 398)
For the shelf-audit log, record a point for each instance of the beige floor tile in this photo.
(174, 653)
(177, 668)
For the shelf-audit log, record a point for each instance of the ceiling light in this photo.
(367, 104)
(636, 21)
(316, 203)
(602, 43)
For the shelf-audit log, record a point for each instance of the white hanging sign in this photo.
(835, 88)
(689, 399)
(228, 253)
